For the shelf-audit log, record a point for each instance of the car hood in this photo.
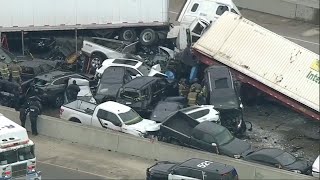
(145, 125)
(108, 89)
(300, 165)
(235, 147)
(162, 167)
(225, 99)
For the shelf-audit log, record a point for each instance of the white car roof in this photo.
(202, 107)
(115, 107)
(110, 62)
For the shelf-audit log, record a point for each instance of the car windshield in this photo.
(224, 137)
(12, 156)
(130, 117)
(285, 158)
(145, 70)
(129, 94)
(40, 82)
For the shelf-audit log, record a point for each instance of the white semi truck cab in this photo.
(17, 153)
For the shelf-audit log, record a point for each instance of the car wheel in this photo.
(96, 60)
(128, 35)
(148, 37)
(59, 100)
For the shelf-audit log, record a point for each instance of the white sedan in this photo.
(203, 113)
(135, 68)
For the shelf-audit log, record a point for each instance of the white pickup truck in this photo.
(110, 115)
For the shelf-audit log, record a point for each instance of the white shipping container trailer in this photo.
(147, 20)
(273, 64)
(131, 19)
(29, 15)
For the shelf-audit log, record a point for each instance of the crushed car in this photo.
(134, 67)
(278, 158)
(180, 129)
(50, 87)
(142, 93)
(112, 79)
(221, 92)
(100, 49)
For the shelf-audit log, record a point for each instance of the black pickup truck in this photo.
(181, 129)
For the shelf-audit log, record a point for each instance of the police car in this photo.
(191, 169)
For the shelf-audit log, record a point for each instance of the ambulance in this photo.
(17, 154)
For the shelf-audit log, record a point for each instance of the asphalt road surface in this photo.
(59, 159)
(52, 171)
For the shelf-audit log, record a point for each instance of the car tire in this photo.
(58, 101)
(96, 60)
(128, 35)
(148, 37)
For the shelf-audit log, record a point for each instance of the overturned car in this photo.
(221, 91)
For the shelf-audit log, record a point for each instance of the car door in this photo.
(58, 86)
(109, 120)
(133, 72)
(184, 173)
(203, 141)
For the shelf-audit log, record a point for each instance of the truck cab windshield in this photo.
(130, 117)
(16, 155)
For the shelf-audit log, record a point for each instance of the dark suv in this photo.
(191, 169)
(50, 87)
(222, 92)
(142, 93)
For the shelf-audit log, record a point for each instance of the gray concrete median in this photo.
(127, 144)
(306, 10)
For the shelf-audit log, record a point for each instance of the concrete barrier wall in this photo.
(123, 143)
(306, 10)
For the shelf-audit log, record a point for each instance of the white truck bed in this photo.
(28, 15)
(81, 106)
(264, 56)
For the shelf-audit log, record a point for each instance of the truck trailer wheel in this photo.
(148, 37)
(128, 35)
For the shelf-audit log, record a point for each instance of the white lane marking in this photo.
(105, 177)
(277, 33)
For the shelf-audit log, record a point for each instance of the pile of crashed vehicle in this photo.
(151, 92)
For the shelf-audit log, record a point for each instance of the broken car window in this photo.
(194, 7)
(221, 10)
